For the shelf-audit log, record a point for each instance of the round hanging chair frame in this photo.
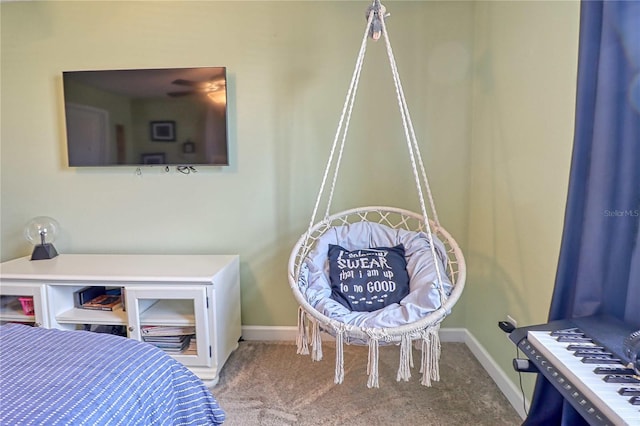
(395, 218)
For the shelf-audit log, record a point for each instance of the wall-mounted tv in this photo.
(172, 116)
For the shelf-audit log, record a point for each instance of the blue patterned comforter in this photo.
(54, 377)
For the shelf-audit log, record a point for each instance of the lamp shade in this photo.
(42, 231)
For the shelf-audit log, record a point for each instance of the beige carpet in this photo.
(269, 384)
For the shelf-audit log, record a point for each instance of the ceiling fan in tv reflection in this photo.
(214, 89)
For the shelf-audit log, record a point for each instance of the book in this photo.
(192, 349)
(172, 339)
(103, 302)
(171, 344)
(86, 294)
(160, 330)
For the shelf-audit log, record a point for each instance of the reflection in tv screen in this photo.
(172, 116)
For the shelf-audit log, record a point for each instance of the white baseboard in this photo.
(455, 335)
(270, 334)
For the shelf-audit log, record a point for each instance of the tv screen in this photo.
(173, 116)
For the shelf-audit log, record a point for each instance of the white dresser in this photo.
(181, 291)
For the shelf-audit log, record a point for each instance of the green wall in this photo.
(490, 87)
(522, 133)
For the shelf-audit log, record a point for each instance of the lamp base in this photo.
(44, 251)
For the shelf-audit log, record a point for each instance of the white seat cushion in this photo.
(423, 297)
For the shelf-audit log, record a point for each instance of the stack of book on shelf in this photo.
(98, 298)
(169, 338)
(192, 349)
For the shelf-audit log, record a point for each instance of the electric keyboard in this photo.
(584, 359)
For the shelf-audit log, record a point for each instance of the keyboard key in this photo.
(619, 378)
(574, 338)
(613, 370)
(601, 360)
(588, 352)
(568, 332)
(578, 347)
(627, 391)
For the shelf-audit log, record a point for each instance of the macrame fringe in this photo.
(429, 367)
(406, 359)
(302, 340)
(316, 341)
(372, 366)
(339, 375)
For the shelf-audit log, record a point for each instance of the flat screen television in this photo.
(172, 116)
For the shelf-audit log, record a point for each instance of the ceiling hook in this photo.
(379, 13)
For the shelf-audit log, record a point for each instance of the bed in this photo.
(55, 377)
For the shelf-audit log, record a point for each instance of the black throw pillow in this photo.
(368, 279)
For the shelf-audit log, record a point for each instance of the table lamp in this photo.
(42, 231)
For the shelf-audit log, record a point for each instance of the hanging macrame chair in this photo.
(446, 265)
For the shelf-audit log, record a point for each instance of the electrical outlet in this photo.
(512, 321)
